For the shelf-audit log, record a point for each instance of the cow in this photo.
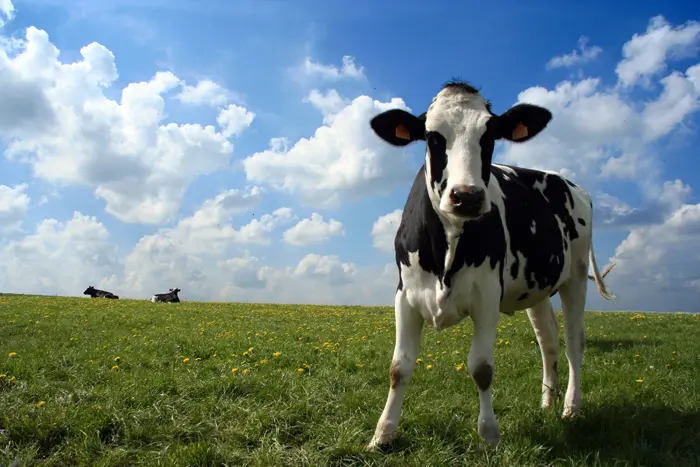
(170, 297)
(477, 238)
(97, 293)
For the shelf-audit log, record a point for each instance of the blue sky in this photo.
(642, 179)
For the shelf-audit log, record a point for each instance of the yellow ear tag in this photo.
(519, 132)
(402, 132)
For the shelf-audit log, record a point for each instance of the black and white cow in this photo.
(170, 297)
(97, 293)
(478, 238)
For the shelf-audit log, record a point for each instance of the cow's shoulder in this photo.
(421, 230)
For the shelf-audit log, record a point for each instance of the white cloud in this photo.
(645, 55)
(234, 119)
(583, 55)
(7, 12)
(56, 117)
(205, 92)
(658, 266)
(384, 230)
(329, 104)
(348, 70)
(313, 230)
(341, 161)
(13, 206)
(60, 258)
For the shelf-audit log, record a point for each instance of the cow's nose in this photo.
(467, 196)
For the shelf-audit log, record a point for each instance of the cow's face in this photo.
(175, 291)
(89, 290)
(460, 133)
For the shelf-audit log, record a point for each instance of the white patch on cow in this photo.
(505, 168)
(533, 227)
(153, 299)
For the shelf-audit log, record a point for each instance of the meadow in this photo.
(128, 382)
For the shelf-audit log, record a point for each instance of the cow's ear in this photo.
(523, 122)
(398, 127)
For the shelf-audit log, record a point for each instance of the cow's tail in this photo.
(603, 289)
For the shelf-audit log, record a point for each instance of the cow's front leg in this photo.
(481, 368)
(409, 324)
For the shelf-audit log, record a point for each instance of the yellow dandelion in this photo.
(429, 367)
(234, 370)
(13, 354)
(264, 361)
(460, 367)
(358, 365)
(198, 359)
(636, 355)
(3, 375)
(430, 355)
(419, 360)
(13, 380)
(40, 404)
(185, 360)
(674, 352)
(507, 342)
(300, 370)
(456, 352)
(246, 371)
(115, 367)
(234, 355)
(532, 342)
(251, 349)
(276, 354)
(437, 342)
(117, 359)
(639, 380)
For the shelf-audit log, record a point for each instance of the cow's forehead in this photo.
(453, 105)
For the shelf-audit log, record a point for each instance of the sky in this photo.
(224, 147)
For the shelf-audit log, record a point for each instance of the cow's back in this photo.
(544, 214)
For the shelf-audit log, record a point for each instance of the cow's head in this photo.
(89, 290)
(175, 291)
(460, 131)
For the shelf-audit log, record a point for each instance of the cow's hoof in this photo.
(571, 413)
(380, 443)
(490, 433)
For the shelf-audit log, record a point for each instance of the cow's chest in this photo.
(443, 306)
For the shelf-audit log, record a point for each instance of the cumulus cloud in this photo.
(646, 54)
(584, 54)
(384, 230)
(313, 230)
(205, 92)
(329, 104)
(13, 206)
(341, 161)
(60, 258)
(55, 116)
(658, 266)
(348, 70)
(7, 12)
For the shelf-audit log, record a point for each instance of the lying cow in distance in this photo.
(170, 297)
(97, 293)
(478, 238)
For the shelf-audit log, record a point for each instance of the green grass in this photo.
(155, 409)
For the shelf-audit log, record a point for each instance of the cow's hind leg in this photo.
(481, 367)
(409, 325)
(573, 301)
(544, 323)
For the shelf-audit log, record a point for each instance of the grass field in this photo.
(128, 382)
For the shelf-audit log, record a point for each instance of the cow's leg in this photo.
(573, 301)
(481, 368)
(544, 322)
(409, 325)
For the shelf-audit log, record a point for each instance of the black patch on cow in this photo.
(437, 155)
(523, 296)
(581, 221)
(420, 230)
(483, 376)
(543, 250)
